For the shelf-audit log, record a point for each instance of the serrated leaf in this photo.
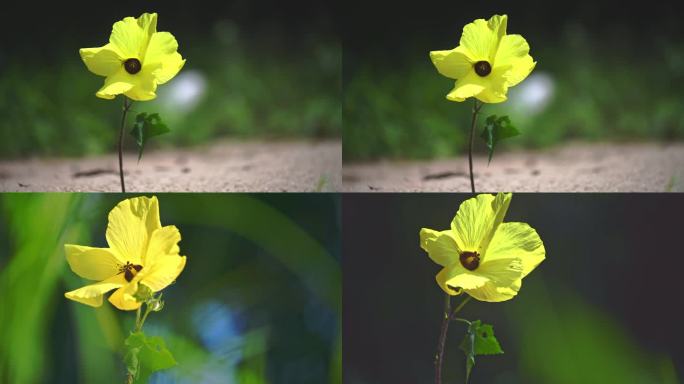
(146, 355)
(497, 129)
(145, 127)
(479, 340)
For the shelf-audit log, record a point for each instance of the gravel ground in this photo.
(576, 167)
(232, 166)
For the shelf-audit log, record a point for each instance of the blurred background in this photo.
(606, 71)
(258, 302)
(255, 69)
(604, 307)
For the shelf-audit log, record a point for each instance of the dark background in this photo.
(603, 307)
(28, 25)
(270, 69)
(614, 68)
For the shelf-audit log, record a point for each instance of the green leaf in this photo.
(146, 355)
(496, 129)
(145, 127)
(479, 340)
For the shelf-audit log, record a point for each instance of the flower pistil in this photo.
(470, 260)
(132, 66)
(483, 68)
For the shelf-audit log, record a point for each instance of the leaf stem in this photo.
(448, 317)
(137, 319)
(462, 320)
(126, 106)
(476, 110)
(460, 306)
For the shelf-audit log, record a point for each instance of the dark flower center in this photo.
(483, 68)
(470, 260)
(130, 270)
(132, 66)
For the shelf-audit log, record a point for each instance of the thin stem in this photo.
(448, 316)
(461, 320)
(442, 339)
(137, 319)
(140, 320)
(147, 312)
(126, 106)
(460, 306)
(476, 110)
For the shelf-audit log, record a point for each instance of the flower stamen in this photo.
(470, 260)
(482, 68)
(132, 66)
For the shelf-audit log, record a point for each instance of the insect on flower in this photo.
(482, 255)
(141, 253)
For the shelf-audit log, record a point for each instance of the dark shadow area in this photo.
(603, 306)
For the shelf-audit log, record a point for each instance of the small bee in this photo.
(470, 260)
(130, 270)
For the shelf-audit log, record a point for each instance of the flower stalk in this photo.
(126, 107)
(476, 109)
(448, 317)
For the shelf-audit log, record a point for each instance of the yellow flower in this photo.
(481, 255)
(136, 59)
(486, 62)
(140, 251)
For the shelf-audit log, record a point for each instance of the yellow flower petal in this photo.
(163, 242)
(477, 220)
(131, 223)
(465, 87)
(103, 61)
(453, 63)
(501, 272)
(148, 23)
(516, 240)
(170, 68)
(487, 41)
(520, 70)
(129, 38)
(135, 38)
(481, 38)
(92, 263)
(123, 298)
(492, 293)
(162, 54)
(511, 49)
(163, 272)
(162, 44)
(144, 85)
(440, 246)
(454, 276)
(115, 85)
(496, 87)
(488, 89)
(514, 53)
(92, 294)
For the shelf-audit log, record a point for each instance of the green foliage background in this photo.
(258, 302)
(263, 82)
(614, 79)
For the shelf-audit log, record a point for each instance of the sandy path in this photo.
(576, 167)
(232, 166)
